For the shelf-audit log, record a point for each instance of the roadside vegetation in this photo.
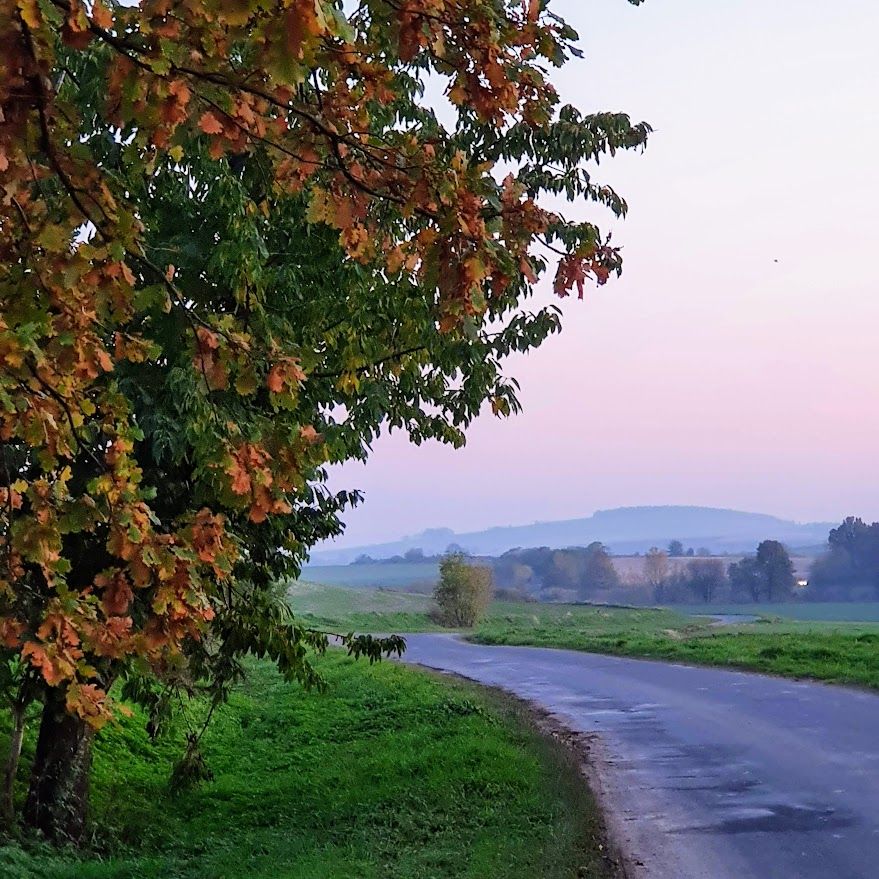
(463, 593)
(362, 610)
(391, 773)
(828, 649)
(834, 652)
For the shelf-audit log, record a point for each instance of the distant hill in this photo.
(622, 530)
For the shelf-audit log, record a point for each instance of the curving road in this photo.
(704, 772)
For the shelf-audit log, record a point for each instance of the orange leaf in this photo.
(181, 91)
(101, 16)
(209, 124)
(10, 631)
(302, 24)
(117, 595)
(275, 379)
(309, 434)
(240, 477)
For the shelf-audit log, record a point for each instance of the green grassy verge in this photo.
(828, 650)
(361, 610)
(835, 652)
(808, 611)
(392, 773)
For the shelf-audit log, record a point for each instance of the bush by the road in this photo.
(463, 593)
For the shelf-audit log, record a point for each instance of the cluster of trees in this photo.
(236, 244)
(676, 550)
(578, 573)
(849, 570)
(765, 576)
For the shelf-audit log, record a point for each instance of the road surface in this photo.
(704, 772)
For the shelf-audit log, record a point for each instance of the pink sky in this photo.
(709, 374)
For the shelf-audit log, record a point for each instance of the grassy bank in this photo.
(836, 652)
(828, 649)
(361, 610)
(806, 611)
(392, 773)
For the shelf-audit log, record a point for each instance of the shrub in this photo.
(463, 592)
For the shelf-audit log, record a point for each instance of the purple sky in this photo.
(709, 374)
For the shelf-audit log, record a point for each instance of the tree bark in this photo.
(57, 801)
(11, 769)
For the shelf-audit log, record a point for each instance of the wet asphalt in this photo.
(704, 772)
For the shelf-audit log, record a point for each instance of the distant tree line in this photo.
(416, 555)
(768, 575)
(847, 571)
(574, 574)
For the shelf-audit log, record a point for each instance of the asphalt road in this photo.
(704, 772)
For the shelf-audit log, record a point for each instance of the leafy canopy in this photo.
(236, 244)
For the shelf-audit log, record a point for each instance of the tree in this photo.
(766, 576)
(599, 573)
(706, 577)
(464, 591)
(656, 572)
(416, 554)
(235, 246)
(675, 549)
(747, 579)
(850, 567)
(777, 570)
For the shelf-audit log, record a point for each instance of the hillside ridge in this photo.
(622, 529)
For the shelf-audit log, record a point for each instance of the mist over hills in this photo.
(622, 530)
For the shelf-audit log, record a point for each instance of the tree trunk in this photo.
(11, 770)
(57, 802)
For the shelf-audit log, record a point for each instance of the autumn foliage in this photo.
(99, 570)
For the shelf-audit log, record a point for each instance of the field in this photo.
(404, 575)
(362, 610)
(817, 645)
(825, 611)
(393, 773)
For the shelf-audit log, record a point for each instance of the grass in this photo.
(836, 652)
(393, 773)
(401, 575)
(809, 647)
(362, 610)
(817, 611)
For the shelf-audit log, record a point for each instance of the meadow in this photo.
(827, 651)
(818, 645)
(391, 773)
(817, 611)
(404, 575)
